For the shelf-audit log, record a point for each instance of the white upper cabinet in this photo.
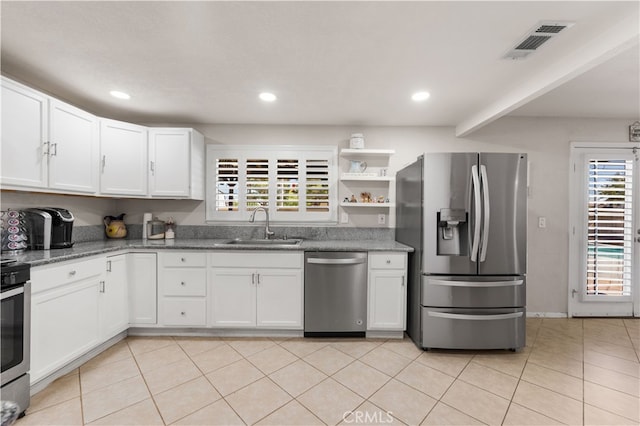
(55, 147)
(123, 156)
(176, 163)
(73, 148)
(24, 136)
(47, 144)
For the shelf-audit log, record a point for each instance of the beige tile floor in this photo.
(571, 372)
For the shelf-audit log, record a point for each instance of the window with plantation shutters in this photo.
(226, 184)
(317, 188)
(288, 184)
(296, 184)
(609, 227)
(604, 260)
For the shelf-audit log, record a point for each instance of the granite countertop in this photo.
(85, 249)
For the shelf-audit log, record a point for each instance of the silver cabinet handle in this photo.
(323, 261)
(102, 287)
(54, 146)
(46, 151)
(258, 280)
(104, 162)
(403, 281)
(11, 293)
(496, 317)
(108, 266)
(472, 284)
(72, 273)
(253, 279)
(152, 167)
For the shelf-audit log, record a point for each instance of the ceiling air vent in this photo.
(540, 34)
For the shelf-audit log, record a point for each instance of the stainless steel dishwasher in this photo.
(335, 294)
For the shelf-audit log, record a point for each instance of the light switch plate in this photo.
(382, 219)
(542, 222)
(344, 217)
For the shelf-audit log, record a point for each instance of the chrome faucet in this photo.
(268, 233)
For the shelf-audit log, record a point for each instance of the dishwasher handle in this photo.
(325, 261)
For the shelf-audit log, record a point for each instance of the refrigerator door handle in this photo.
(476, 223)
(472, 284)
(495, 317)
(486, 213)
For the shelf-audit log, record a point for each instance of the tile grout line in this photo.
(533, 344)
(155, 404)
(222, 397)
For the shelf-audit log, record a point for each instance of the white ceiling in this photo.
(341, 63)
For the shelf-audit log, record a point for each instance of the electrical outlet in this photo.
(542, 222)
(344, 217)
(382, 219)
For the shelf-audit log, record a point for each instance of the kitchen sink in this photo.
(263, 242)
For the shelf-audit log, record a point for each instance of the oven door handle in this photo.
(324, 261)
(11, 293)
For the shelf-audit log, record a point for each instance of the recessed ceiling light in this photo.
(119, 95)
(420, 96)
(268, 97)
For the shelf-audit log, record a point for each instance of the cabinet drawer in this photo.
(183, 259)
(257, 259)
(387, 260)
(183, 282)
(183, 311)
(46, 278)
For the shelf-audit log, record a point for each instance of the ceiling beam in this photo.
(621, 37)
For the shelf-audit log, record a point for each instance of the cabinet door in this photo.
(233, 297)
(73, 136)
(279, 300)
(123, 150)
(114, 309)
(387, 300)
(169, 162)
(24, 136)
(142, 288)
(64, 325)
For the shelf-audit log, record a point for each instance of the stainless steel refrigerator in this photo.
(465, 214)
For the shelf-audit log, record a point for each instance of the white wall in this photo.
(545, 140)
(86, 210)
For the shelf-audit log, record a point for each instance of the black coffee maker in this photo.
(49, 228)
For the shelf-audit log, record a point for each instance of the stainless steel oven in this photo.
(15, 332)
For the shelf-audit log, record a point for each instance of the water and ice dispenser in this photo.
(453, 235)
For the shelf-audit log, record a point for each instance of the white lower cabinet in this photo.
(257, 289)
(279, 298)
(114, 298)
(387, 291)
(65, 320)
(78, 305)
(183, 288)
(233, 297)
(143, 289)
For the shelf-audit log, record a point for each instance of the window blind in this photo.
(296, 184)
(226, 184)
(609, 227)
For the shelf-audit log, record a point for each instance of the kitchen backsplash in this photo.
(134, 231)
